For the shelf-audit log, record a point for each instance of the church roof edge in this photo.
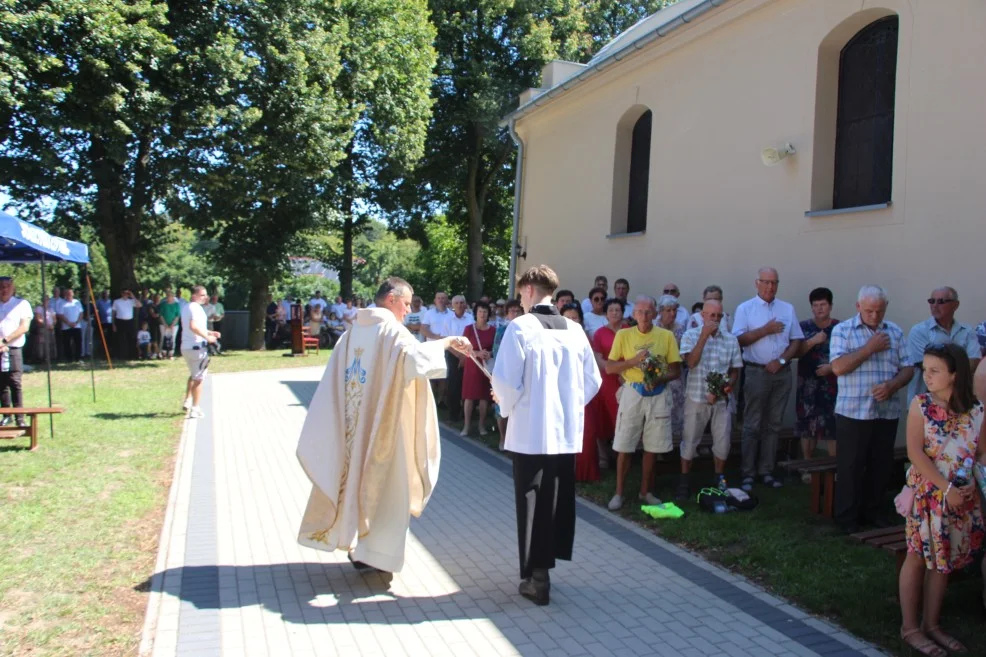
(645, 31)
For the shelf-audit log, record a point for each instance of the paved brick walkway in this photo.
(231, 580)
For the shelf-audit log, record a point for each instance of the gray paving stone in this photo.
(254, 591)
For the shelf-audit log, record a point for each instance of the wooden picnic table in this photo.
(12, 431)
(822, 473)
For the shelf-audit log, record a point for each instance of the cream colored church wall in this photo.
(737, 80)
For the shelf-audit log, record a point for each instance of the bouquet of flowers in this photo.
(653, 367)
(718, 386)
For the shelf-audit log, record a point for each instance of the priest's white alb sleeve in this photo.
(424, 360)
(508, 371)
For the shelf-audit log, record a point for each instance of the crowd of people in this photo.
(670, 372)
(145, 327)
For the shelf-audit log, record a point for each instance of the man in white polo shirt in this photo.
(768, 330)
(70, 317)
(195, 338)
(15, 320)
(124, 327)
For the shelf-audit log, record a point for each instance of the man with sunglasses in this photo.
(941, 328)
(596, 317)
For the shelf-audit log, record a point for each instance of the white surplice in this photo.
(543, 378)
(370, 443)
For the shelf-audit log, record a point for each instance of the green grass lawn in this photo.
(80, 518)
(796, 555)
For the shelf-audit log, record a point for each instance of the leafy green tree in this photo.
(178, 258)
(386, 77)
(489, 51)
(96, 100)
(381, 254)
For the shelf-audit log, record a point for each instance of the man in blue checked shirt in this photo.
(869, 355)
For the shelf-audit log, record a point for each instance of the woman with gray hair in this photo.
(667, 312)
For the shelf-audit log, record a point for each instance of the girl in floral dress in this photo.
(945, 524)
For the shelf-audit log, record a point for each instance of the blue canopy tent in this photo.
(21, 242)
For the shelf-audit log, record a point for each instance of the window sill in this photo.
(617, 236)
(858, 208)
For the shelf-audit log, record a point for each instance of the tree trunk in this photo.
(346, 271)
(259, 288)
(474, 242)
(117, 228)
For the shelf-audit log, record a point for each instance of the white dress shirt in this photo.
(754, 313)
(594, 322)
(457, 325)
(70, 312)
(434, 319)
(11, 314)
(124, 309)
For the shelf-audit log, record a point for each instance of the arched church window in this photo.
(864, 142)
(639, 174)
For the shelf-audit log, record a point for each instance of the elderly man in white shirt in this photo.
(455, 325)
(124, 325)
(770, 334)
(71, 316)
(15, 321)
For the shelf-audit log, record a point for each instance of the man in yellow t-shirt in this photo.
(643, 410)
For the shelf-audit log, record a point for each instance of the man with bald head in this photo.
(706, 349)
(645, 407)
(941, 328)
(770, 334)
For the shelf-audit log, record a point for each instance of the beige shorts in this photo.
(643, 417)
(697, 415)
(197, 361)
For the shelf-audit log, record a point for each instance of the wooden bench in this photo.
(11, 431)
(822, 473)
(890, 539)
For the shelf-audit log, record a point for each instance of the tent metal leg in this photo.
(44, 294)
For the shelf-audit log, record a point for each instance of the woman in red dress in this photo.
(586, 461)
(475, 385)
(605, 400)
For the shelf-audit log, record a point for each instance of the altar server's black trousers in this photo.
(544, 486)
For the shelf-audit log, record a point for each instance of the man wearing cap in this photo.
(15, 320)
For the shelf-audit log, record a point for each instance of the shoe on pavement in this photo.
(650, 499)
(747, 484)
(616, 503)
(537, 589)
(196, 413)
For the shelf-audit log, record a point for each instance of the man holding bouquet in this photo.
(714, 361)
(647, 358)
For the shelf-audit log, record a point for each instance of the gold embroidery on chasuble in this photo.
(354, 382)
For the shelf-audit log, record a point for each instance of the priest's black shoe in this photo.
(537, 589)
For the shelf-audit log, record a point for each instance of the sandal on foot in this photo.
(944, 640)
(919, 641)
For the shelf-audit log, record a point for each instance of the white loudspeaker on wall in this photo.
(772, 156)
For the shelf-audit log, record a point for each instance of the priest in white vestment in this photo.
(545, 374)
(370, 443)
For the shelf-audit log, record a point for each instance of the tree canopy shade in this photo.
(489, 51)
(326, 84)
(96, 101)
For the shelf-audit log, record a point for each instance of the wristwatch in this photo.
(782, 361)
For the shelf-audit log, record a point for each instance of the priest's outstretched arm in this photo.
(427, 359)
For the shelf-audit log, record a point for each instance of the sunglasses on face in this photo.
(671, 291)
(940, 302)
(598, 298)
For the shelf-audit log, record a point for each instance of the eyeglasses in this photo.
(598, 298)
(940, 302)
(670, 290)
(763, 282)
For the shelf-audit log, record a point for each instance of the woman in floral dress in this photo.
(945, 524)
(667, 310)
(817, 385)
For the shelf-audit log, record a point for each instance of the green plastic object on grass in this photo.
(661, 511)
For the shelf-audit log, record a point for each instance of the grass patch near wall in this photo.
(80, 518)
